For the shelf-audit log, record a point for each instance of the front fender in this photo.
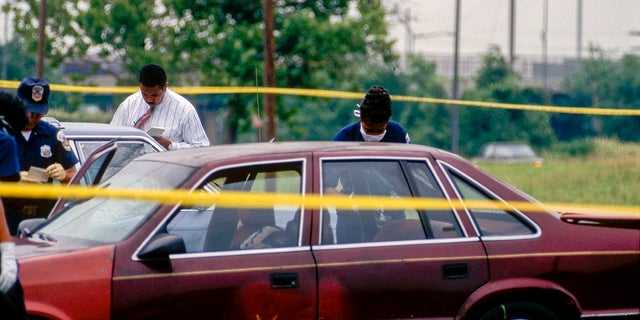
(69, 285)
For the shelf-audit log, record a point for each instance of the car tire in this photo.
(519, 311)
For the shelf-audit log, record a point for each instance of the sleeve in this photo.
(9, 166)
(348, 133)
(192, 132)
(123, 113)
(118, 116)
(64, 154)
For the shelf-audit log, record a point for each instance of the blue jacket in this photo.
(9, 167)
(395, 133)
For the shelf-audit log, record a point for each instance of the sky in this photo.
(605, 23)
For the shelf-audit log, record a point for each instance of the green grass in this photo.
(608, 175)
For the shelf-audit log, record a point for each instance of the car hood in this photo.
(35, 247)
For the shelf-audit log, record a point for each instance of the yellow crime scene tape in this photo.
(268, 200)
(338, 95)
(312, 201)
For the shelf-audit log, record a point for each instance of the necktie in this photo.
(143, 119)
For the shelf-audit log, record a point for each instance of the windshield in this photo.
(109, 220)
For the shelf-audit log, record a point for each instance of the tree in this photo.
(217, 42)
(607, 83)
(497, 82)
(426, 123)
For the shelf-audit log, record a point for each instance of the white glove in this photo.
(56, 172)
(9, 273)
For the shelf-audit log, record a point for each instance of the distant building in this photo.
(532, 70)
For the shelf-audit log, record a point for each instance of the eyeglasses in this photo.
(35, 115)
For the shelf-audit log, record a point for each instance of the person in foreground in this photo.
(11, 295)
(375, 123)
(42, 149)
(157, 106)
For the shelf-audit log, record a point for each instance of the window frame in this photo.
(450, 170)
(423, 215)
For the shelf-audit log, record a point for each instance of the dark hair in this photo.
(376, 105)
(152, 75)
(12, 112)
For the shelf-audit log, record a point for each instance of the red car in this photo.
(511, 258)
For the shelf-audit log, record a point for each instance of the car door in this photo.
(92, 171)
(389, 264)
(128, 149)
(250, 262)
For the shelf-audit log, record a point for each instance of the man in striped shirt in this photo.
(157, 106)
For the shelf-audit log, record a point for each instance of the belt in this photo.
(27, 210)
(30, 210)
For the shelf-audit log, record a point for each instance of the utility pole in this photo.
(579, 31)
(269, 69)
(454, 108)
(6, 8)
(512, 32)
(545, 28)
(41, 39)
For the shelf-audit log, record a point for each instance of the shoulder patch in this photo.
(63, 140)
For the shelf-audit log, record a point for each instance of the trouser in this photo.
(12, 303)
(18, 209)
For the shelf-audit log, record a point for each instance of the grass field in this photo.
(607, 175)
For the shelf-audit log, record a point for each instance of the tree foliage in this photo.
(426, 123)
(607, 83)
(215, 42)
(497, 82)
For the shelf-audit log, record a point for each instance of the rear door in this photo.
(251, 262)
(388, 264)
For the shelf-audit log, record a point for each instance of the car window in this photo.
(386, 178)
(440, 223)
(208, 228)
(109, 220)
(127, 151)
(490, 218)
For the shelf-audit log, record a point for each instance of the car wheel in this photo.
(519, 311)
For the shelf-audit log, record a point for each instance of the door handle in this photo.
(455, 271)
(284, 280)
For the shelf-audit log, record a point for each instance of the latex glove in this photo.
(56, 172)
(9, 266)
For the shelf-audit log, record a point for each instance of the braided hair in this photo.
(376, 105)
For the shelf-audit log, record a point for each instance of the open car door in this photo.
(91, 172)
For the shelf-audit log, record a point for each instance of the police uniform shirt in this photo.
(395, 133)
(46, 146)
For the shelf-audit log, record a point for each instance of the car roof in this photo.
(200, 156)
(94, 129)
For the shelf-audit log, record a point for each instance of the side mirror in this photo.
(27, 227)
(161, 246)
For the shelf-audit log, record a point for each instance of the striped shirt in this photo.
(174, 113)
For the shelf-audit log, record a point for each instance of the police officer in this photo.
(40, 145)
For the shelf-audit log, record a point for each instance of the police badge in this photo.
(37, 92)
(45, 151)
